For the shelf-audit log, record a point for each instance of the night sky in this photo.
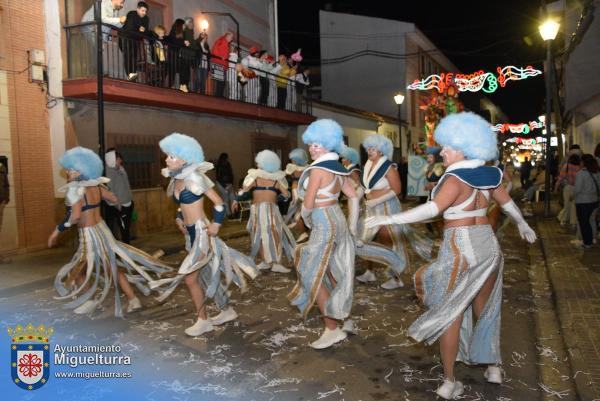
(474, 36)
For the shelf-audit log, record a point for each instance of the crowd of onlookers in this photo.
(577, 183)
(181, 59)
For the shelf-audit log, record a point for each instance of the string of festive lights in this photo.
(522, 128)
(480, 80)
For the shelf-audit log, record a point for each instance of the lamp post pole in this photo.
(399, 99)
(400, 129)
(548, 122)
(99, 77)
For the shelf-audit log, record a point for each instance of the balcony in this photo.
(215, 86)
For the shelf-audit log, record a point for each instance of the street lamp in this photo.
(237, 26)
(204, 25)
(548, 31)
(399, 99)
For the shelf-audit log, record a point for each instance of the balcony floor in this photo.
(141, 94)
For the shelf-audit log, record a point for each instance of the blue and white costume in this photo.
(99, 254)
(370, 251)
(206, 253)
(373, 178)
(268, 232)
(467, 257)
(330, 248)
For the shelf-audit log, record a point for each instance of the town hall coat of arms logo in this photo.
(30, 355)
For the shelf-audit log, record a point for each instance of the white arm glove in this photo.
(353, 209)
(306, 216)
(294, 194)
(512, 211)
(374, 202)
(423, 212)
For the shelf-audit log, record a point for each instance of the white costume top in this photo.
(193, 177)
(76, 189)
(254, 173)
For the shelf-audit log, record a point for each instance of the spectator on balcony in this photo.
(109, 13)
(158, 57)
(302, 82)
(233, 86)
(136, 24)
(294, 62)
(177, 43)
(189, 52)
(282, 70)
(220, 53)
(253, 63)
(264, 69)
(203, 54)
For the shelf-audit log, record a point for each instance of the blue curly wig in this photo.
(326, 133)
(468, 133)
(82, 160)
(351, 155)
(299, 156)
(381, 143)
(183, 147)
(268, 160)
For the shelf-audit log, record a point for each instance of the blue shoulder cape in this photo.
(482, 177)
(333, 166)
(379, 174)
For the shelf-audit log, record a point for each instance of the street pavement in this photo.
(264, 355)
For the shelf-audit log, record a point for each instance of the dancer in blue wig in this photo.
(209, 258)
(381, 183)
(269, 235)
(466, 278)
(100, 262)
(325, 263)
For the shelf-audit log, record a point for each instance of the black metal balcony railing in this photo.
(144, 59)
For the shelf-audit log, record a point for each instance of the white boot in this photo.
(367, 277)
(263, 266)
(493, 374)
(200, 327)
(449, 390)
(392, 284)
(328, 338)
(183, 88)
(277, 268)
(348, 327)
(134, 305)
(85, 308)
(226, 315)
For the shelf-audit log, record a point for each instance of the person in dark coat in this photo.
(136, 24)
(224, 174)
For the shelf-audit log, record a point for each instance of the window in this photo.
(142, 159)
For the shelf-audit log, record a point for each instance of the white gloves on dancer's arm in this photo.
(353, 209)
(306, 216)
(423, 212)
(512, 211)
(385, 197)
